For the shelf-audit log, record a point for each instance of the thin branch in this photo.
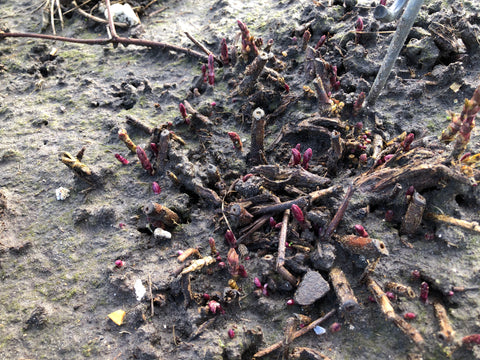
(95, 18)
(203, 48)
(111, 25)
(118, 40)
(294, 336)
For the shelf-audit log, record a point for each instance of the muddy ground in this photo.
(57, 262)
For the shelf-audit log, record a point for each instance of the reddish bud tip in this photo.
(298, 214)
(298, 147)
(156, 188)
(307, 156)
(359, 24)
(363, 158)
(265, 290)
(408, 141)
(242, 271)
(154, 148)
(390, 295)
(424, 292)
(215, 306)
(371, 299)
(360, 230)
(272, 222)
(290, 302)
(335, 327)
(224, 51)
(257, 282)
(206, 296)
(231, 333)
(246, 177)
(183, 111)
(204, 73)
(410, 191)
(389, 214)
(121, 159)
(409, 316)
(320, 42)
(286, 87)
(119, 263)
(296, 157)
(211, 71)
(230, 238)
(416, 274)
(142, 156)
(222, 265)
(383, 2)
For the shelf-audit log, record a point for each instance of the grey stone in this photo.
(312, 288)
(323, 258)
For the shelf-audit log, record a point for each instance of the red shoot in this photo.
(183, 112)
(246, 177)
(408, 141)
(215, 306)
(321, 42)
(389, 214)
(237, 142)
(410, 191)
(409, 316)
(298, 214)
(233, 262)
(121, 159)
(242, 271)
(307, 156)
(360, 230)
(296, 157)
(231, 333)
(211, 70)
(272, 222)
(257, 282)
(204, 73)
(156, 188)
(383, 2)
(357, 106)
(359, 24)
(142, 156)
(473, 339)
(154, 148)
(224, 52)
(230, 238)
(424, 292)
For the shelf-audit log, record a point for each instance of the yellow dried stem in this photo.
(198, 264)
(123, 135)
(73, 163)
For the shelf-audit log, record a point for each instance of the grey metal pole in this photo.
(403, 28)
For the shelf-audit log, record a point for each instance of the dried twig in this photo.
(281, 251)
(203, 48)
(295, 335)
(96, 18)
(453, 221)
(339, 215)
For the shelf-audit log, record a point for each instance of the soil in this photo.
(59, 281)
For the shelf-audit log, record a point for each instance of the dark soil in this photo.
(58, 276)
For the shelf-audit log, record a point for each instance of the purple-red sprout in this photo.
(211, 70)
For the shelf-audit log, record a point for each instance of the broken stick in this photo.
(295, 335)
(281, 251)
